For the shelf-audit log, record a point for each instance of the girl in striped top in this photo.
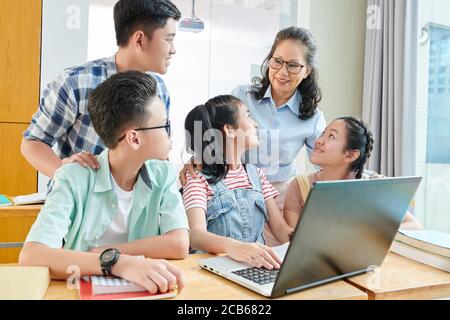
(228, 202)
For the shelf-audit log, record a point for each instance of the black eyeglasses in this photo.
(167, 127)
(292, 67)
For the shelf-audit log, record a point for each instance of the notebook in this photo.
(104, 285)
(87, 292)
(23, 283)
(35, 198)
(430, 241)
(4, 201)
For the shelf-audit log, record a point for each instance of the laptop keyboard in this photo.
(260, 276)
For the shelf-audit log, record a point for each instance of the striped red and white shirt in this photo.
(198, 192)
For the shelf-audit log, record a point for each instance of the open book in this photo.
(35, 198)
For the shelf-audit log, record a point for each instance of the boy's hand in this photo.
(255, 255)
(154, 275)
(85, 159)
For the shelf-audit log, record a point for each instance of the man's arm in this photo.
(40, 156)
(44, 159)
(58, 111)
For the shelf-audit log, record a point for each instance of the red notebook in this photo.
(86, 294)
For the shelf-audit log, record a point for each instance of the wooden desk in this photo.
(203, 285)
(400, 278)
(15, 223)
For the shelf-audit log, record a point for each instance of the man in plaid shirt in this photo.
(145, 31)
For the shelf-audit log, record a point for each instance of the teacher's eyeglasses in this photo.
(292, 67)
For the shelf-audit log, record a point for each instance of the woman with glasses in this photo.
(284, 104)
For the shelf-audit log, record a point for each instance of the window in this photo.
(438, 139)
(433, 116)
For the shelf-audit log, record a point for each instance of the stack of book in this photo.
(428, 247)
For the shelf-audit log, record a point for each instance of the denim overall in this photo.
(239, 214)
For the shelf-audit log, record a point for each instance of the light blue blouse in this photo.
(282, 134)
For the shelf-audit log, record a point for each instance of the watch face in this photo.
(108, 256)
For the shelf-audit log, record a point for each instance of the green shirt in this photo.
(82, 205)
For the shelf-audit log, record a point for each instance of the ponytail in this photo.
(209, 120)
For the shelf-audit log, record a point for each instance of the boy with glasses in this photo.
(99, 220)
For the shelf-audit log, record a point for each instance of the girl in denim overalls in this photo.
(230, 218)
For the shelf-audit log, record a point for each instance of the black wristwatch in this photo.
(108, 259)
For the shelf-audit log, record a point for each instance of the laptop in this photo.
(346, 229)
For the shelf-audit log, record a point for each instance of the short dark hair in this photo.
(148, 15)
(121, 101)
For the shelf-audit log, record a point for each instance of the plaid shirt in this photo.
(63, 119)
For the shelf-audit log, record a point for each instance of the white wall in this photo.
(339, 29)
(64, 43)
(64, 36)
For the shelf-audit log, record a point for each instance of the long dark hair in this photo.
(309, 88)
(211, 119)
(359, 137)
